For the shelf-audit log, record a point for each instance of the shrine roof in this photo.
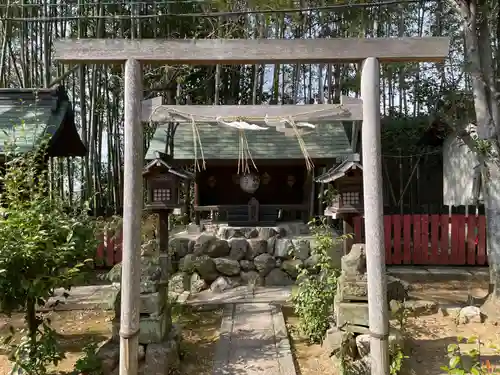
(338, 171)
(220, 143)
(29, 115)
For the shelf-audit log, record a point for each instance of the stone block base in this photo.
(356, 289)
(154, 359)
(352, 367)
(340, 343)
(396, 342)
(162, 358)
(352, 290)
(153, 328)
(351, 313)
(354, 349)
(152, 303)
(109, 354)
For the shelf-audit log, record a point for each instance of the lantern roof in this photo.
(339, 171)
(159, 162)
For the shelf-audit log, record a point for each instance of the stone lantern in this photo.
(158, 337)
(346, 180)
(164, 186)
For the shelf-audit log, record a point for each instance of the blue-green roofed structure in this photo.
(29, 115)
(280, 188)
(325, 142)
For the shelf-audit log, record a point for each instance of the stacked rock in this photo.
(158, 339)
(238, 256)
(349, 339)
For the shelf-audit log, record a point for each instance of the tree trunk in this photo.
(33, 323)
(474, 14)
(491, 195)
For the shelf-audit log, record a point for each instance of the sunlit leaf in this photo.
(454, 361)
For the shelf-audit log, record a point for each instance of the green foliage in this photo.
(149, 227)
(47, 352)
(329, 195)
(402, 134)
(316, 287)
(397, 361)
(177, 221)
(90, 363)
(44, 245)
(468, 362)
(483, 146)
(397, 355)
(400, 314)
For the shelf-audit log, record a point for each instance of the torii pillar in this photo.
(231, 52)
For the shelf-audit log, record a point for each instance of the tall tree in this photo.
(478, 40)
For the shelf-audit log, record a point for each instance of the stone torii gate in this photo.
(369, 51)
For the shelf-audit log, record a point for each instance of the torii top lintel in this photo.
(251, 51)
(349, 109)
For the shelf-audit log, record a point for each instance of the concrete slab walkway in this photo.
(242, 294)
(436, 274)
(82, 298)
(253, 341)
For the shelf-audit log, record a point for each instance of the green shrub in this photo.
(469, 362)
(44, 245)
(314, 296)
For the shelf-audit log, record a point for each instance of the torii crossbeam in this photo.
(349, 109)
(370, 52)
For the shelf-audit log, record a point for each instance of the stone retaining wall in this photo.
(239, 256)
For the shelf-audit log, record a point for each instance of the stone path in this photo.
(253, 341)
(253, 336)
(242, 294)
(430, 273)
(82, 298)
(98, 296)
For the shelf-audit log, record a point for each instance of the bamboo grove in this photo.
(28, 28)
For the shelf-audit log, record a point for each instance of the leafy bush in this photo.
(90, 363)
(469, 362)
(316, 287)
(44, 245)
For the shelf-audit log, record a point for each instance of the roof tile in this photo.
(324, 142)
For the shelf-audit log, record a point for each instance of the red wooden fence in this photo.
(109, 250)
(432, 239)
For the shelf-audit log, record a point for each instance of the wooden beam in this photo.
(356, 125)
(132, 212)
(371, 146)
(251, 51)
(316, 113)
(350, 109)
(149, 106)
